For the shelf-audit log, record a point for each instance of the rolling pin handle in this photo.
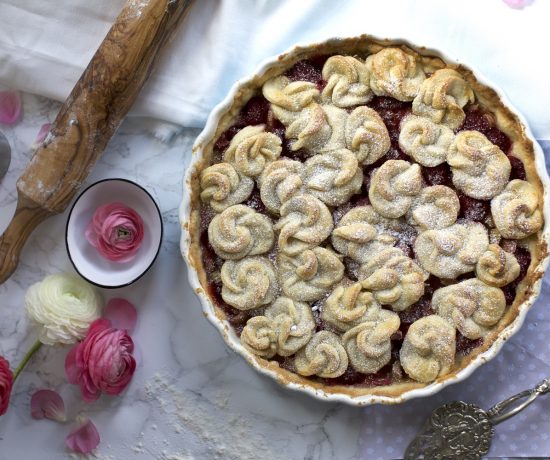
(27, 217)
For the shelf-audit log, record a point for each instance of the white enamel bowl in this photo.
(86, 260)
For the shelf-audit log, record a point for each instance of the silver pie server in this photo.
(5, 155)
(464, 431)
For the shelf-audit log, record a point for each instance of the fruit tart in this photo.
(365, 219)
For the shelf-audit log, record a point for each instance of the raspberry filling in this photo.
(257, 111)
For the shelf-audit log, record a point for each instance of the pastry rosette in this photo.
(223, 186)
(516, 210)
(471, 306)
(323, 356)
(452, 251)
(240, 231)
(428, 350)
(310, 274)
(347, 81)
(393, 187)
(249, 283)
(442, 97)
(395, 73)
(284, 328)
(393, 278)
(305, 222)
(362, 233)
(349, 305)
(369, 344)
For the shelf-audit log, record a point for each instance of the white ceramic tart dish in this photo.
(365, 220)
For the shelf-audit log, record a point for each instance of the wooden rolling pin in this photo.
(88, 118)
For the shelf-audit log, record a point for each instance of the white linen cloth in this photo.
(45, 45)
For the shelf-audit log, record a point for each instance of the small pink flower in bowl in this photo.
(116, 231)
(103, 362)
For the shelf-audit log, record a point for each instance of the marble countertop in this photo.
(191, 397)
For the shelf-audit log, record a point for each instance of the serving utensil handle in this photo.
(509, 407)
(88, 118)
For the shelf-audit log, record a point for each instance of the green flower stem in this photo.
(35, 347)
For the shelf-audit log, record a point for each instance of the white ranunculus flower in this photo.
(63, 306)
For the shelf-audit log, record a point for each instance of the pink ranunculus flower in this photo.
(103, 362)
(116, 231)
(6, 384)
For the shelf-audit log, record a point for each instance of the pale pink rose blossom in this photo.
(10, 107)
(103, 362)
(48, 404)
(83, 439)
(116, 231)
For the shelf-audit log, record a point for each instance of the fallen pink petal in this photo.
(121, 313)
(84, 439)
(44, 130)
(518, 4)
(48, 404)
(10, 107)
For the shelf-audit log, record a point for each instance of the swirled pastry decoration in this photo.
(323, 356)
(239, 231)
(428, 350)
(260, 337)
(222, 186)
(285, 327)
(310, 274)
(310, 130)
(249, 283)
(496, 267)
(424, 140)
(336, 119)
(349, 305)
(369, 344)
(280, 181)
(366, 135)
(362, 233)
(393, 278)
(393, 187)
(305, 223)
(289, 98)
(293, 323)
(435, 207)
(252, 149)
(471, 306)
(395, 73)
(442, 97)
(333, 177)
(516, 211)
(480, 169)
(347, 81)
(452, 251)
